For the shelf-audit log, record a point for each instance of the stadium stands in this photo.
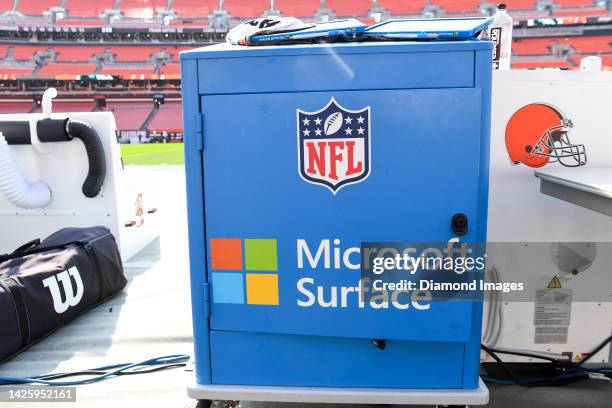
(195, 8)
(131, 72)
(36, 6)
(173, 69)
(15, 107)
(73, 106)
(142, 8)
(141, 52)
(80, 8)
(400, 7)
(459, 6)
(168, 117)
(303, 8)
(583, 45)
(354, 8)
(53, 70)
(76, 52)
(9, 71)
(130, 115)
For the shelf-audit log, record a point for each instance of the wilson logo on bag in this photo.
(70, 298)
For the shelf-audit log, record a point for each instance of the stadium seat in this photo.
(76, 53)
(171, 69)
(351, 8)
(574, 3)
(607, 62)
(246, 9)
(53, 70)
(15, 107)
(580, 12)
(168, 117)
(134, 53)
(7, 71)
(142, 8)
(458, 6)
(26, 52)
(127, 71)
(80, 8)
(36, 7)
(521, 4)
(129, 115)
(403, 6)
(582, 45)
(194, 8)
(541, 64)
(301, 8)
(3, 50)
(531, 46)
(5, 5)
(68, 106)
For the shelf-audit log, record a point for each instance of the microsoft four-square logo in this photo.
(244, 271)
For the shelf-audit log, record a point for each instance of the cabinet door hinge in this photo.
(206, 288)
(199, 131)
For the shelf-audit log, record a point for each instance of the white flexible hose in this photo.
(15, 187)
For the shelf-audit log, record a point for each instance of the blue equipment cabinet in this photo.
(297, 154)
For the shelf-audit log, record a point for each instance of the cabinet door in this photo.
(271, 205)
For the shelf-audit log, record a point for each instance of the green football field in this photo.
(152, 154)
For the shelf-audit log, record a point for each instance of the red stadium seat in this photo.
(82, 23)
(574, 3)
(133, 53)
(76, 53)
(80, 8)
(298, 8)
(458, 6)
(246, 9)
(3, 50)
(351, 8)
(36, 7)
(53, 70)
(26, 52)
(194, 8)
(147, 70)
(8, 72)
(580, 12)
(403, 6)
(142, 8)
(171, 69)
(607, 62)
(521, 4)
(68, 106)
(15, 107)
(531, 46)
(5, 5)
(582, 45)
(129, 115)
(168, 117)
(541, 64)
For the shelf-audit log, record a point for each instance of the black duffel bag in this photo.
(44, 285)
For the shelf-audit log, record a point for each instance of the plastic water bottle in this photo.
(500, 32)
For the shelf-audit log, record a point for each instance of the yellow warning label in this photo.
(554, 283)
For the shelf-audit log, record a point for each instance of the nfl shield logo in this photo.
(334, 145)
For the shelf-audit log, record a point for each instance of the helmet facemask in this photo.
(556, 145)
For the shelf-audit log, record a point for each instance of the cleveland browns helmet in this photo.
(537, 134)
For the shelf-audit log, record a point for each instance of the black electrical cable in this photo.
(101, 372)
(572, 372)
(501, 364)
(595, 351)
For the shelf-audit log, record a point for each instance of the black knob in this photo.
(459, 224)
